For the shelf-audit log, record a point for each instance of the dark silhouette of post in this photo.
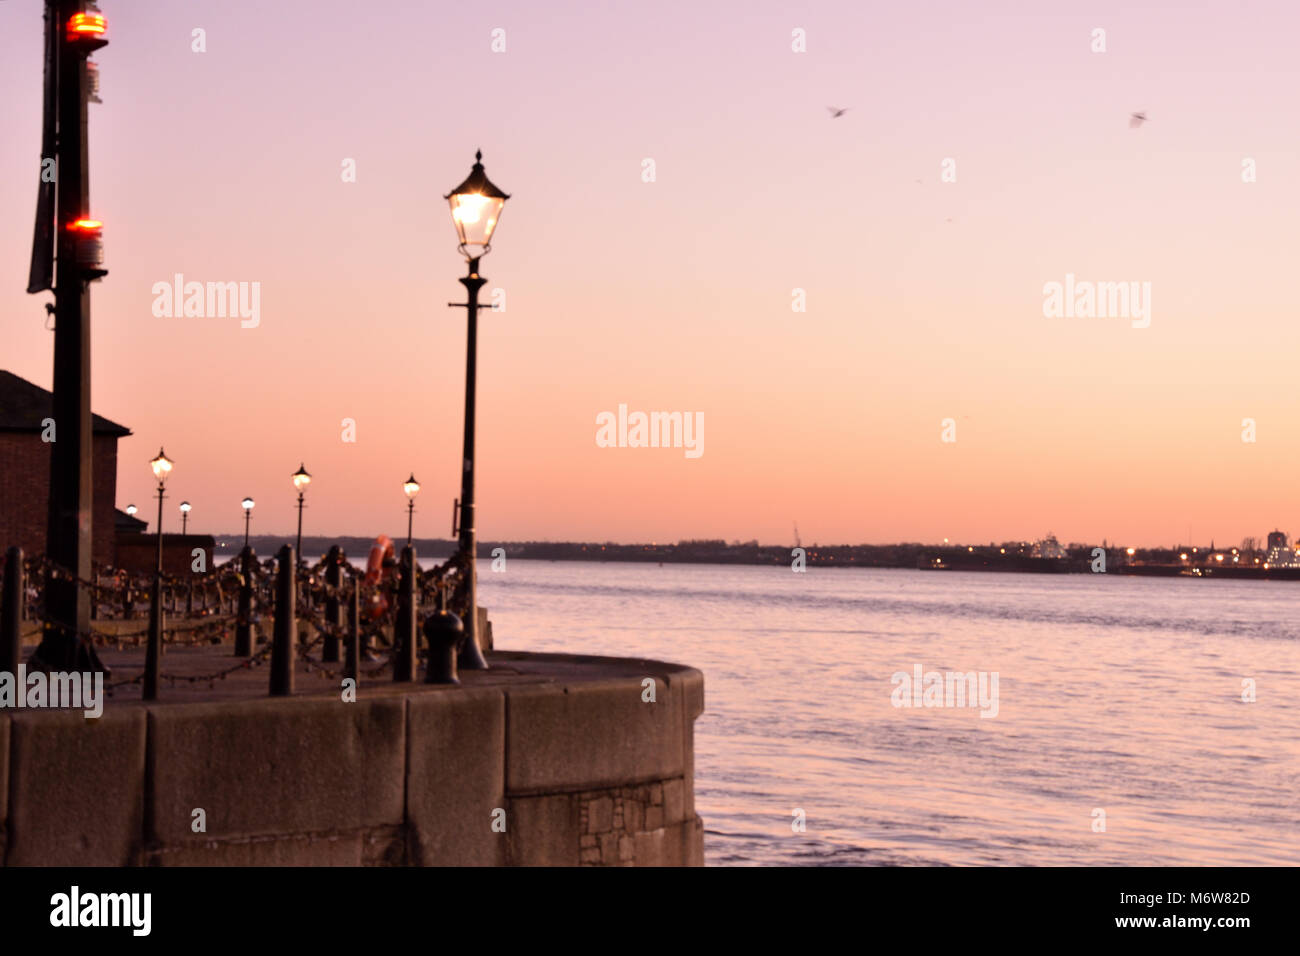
(11, 614)
(471, 655)
(406, 636)
(333, 606)
(153, 650)
(244, 620)
(352, 668)
(68, 530)
(286, 623)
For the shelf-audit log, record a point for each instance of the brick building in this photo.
(25, 470)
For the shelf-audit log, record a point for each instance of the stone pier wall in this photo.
(543, 760)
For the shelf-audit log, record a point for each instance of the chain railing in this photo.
(210, 604)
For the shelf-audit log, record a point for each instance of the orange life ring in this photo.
(380, 552)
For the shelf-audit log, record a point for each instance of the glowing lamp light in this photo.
(162, 466)
(247, 504)
(186, 507)
(89, 242)
(411, 487)
(131, 510)
(87, 25)
(476, 206)
(301, 479)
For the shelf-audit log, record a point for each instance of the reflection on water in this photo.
(1119, 694)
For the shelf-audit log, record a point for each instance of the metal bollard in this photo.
(333, 606)
(405, 633)
(286, 626)
(11, 613)
(445, 632)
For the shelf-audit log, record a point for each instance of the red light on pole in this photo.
(86, 25)
(90, 244)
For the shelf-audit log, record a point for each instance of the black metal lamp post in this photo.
(476, 206)
(162, 467)
(412, 488)
(247, 505)
(300, 481)
(185, 517)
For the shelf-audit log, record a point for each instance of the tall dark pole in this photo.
(298, 550)
(153, 650)
(410, 519)
(472, 654)
(68, 529)
(248, 516)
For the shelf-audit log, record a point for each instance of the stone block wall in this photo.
(545, 760)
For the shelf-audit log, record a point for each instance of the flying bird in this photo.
(836, 112)
(1137, 119)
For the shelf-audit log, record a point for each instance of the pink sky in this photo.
(676, 295)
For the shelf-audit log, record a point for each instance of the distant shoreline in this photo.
(992, 558)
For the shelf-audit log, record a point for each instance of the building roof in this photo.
(23, 406)
(124, 523)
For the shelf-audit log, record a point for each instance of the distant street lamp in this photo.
(131, 510)
(412, 488)
(185, 516)
(300, 481)
(162, 467)
(247, 504)
(476, 206)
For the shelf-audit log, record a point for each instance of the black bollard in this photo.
(286, 625)
(11, 613)
(445, 632)
(244, 622)
(352, 668)
(405, 633)
(333, 606)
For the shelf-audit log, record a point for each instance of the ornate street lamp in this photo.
(476, 206)
(300, 481)
(185, 516)
(412, 488)
(247, 505)
(162, 467)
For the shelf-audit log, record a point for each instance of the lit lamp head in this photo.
(162, 466)
(131, 510)
(247, 504)
(89, 242)
(476, 206)
(301, 479)
(411, 487)
(185, 507)
(87, 28)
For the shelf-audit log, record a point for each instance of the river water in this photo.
(1119, 704)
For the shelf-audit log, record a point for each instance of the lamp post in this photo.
(162, 467)
(247, 505)
(412, 488)
(300, 481)
(476, 206)
(185, 517)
